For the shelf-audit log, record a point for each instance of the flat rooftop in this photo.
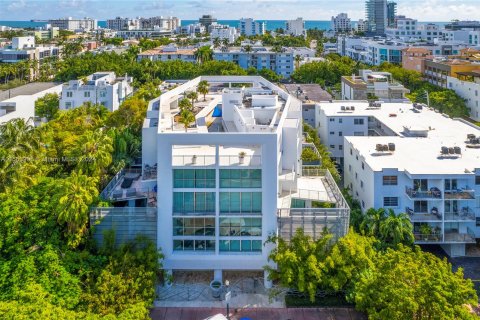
(311, 91)
(419, 137)
(27, 89)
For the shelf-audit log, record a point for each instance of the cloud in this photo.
(16, 5)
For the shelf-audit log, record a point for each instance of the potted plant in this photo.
(241, 157)
(425, 230)
(216, 288)
(194, 159)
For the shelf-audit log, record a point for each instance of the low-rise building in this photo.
(192, 29)
(223, 32)
(103, 88)
(467, 86)
(45, 34)
(414, 58)
(410, 159)
(374, 86)
(259, 58)
(170, 52)
(438, 69)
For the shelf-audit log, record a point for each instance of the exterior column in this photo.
(267, 283)
(217, 275)
(168, 278)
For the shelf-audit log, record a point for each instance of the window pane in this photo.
(235, 202)
(235, 245)
(246, 245)
(210, 245)
(256, 245)
(256, 202)
(224, 245)
(224, 202)
(188, 245)
(178, 245)
(246, 202)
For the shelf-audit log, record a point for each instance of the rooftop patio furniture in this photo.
(117, 194)
(126, 183)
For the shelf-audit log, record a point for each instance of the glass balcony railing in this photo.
(433, 193)
(460, 194)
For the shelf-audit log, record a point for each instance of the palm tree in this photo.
(225, 42)
(370, 225)
(204, 54)
(203, 88)
(298, 59)
(192, 95)
(18, 136)
(248, 48)
(73, 198)
(186, 118)
(185, 104)
(397, 229)
(216, 42)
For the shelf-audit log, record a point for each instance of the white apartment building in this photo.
(191, 29)
(410, 159)
(467, 86)
(72, 24)
(361, 26)
(341, 23)
(295, 27)
(120, 23)
(223, 32)
(169, 52)
(231, 177)
(19, 103)
(162, 23)
(249, 27)
(103, 88)
(155, 33)
(373, 84)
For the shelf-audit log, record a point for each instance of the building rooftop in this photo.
(308, 92)
(165, 50)
(27, 89)
(419, 133)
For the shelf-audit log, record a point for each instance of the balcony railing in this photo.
(427, 238)
(460, 194)
(433, 215)
(210, 160)
(433, 193)
(455, 236)
(465, 214)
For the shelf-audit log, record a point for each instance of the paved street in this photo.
(259, 314)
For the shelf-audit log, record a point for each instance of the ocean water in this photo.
(271, 24)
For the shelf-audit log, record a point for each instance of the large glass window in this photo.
(240, 245)
(194, 245)
(240, 178)
(203, 227)
(240, 227)
(240, 202)
(194, 178)
(193, 202)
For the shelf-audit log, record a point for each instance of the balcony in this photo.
(465, 214)
(460, 194)
(432, 194)
(453, 235)
(210, 160)
(434, 215)
(427, 238)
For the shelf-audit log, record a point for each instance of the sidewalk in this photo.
(258, 313)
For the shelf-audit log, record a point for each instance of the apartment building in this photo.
(391, 13)
(231, 177)
(467, 86)
(223, 32)
(437, 70)
(19, 103)
(72, 24)
(412, 160)
(103, 88)
(341, 23)
(414, 58)
(249, 27)
(258, 57)
(373, 85)
(376, 16)
(45, 34)
(120, 23)
(207, 20)
(168, 24)
(169, 52)
(191, 29)
(295, 27)
(155, 33)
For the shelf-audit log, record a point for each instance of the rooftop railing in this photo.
(210, 160)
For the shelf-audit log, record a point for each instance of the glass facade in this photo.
(241, 202)
(198, 227)
(240, 245)
(194, 202)
(194, 245)
(240, 178)
(240, 227)
(194, 178)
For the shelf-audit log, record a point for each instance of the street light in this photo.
(228, 296)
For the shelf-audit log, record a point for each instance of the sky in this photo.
(423, 10)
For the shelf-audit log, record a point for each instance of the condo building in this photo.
(411, 159)
(223, 33)
(227, 179)
(376, 16)
(249, 27)
(72, 24)
(341, 23)
(103, 88)
(169, 52)
(295, 27)
(467, 86)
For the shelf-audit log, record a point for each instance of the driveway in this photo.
(259, 314)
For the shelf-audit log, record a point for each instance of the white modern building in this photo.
(169, 52)
(232, 177)
(19, 103)
(249, 27)
(168, 24)
(120, 23)
(341, 23)
(467, 86)
(410, 159)
(103, 88)
(192, 29)
(295, 27)
(72, 24)
(223, 32)
(368, 83)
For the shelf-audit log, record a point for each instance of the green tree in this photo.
(411, 284)
(47, 106)
(185, 104)
(204, 54)
(186, 118)
(299, 262)
(309, 156)
(203, 88)
(270, 75)
(396, 229)
(193, 96)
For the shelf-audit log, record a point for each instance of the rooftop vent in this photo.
(391, 147)
(342, 108)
